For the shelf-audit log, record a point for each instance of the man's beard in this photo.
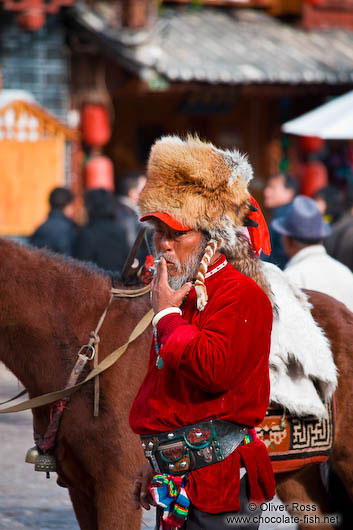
(186, 272)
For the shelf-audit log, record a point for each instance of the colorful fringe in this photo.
(168, 492)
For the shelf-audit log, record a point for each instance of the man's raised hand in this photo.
(162, 295)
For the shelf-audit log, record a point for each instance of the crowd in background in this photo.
(312, 238)
(109, 232)
(335, 208)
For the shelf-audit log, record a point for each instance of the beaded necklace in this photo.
(159, 360)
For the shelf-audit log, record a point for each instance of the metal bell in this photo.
(32, 455)
(46, 463)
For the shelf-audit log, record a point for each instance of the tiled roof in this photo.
(237, 46)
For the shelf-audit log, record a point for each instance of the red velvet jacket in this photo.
(215, 366)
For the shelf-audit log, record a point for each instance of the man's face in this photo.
(276, 194)
(182, 251)
(69, 210)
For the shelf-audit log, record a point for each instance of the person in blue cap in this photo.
(310, 267)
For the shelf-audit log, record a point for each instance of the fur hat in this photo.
(199, 185)
(203, 188)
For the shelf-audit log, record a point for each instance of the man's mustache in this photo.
(169, 259)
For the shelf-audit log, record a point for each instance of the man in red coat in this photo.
(207, 383)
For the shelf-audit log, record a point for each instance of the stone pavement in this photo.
(27, 499)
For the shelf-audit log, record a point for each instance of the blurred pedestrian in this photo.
(279, 193)
(328, 201)
(128, 190)
(59, 231)
(102, 241)
(310, 267)
(340, 244)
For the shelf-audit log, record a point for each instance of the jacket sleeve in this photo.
(221, 350)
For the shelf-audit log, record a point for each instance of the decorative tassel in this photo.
(169, 493)
(199, 284)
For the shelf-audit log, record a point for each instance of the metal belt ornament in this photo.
(192, 447)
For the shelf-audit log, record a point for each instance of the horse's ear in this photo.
(131, 266)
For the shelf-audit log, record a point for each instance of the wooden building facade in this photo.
(32, 161)
(233, 76)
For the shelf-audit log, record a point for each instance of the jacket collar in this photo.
(216, 266)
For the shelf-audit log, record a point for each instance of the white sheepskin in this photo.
(300, 353)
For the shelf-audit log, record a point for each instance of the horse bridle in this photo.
(91, 346)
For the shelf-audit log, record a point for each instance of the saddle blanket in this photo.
(293, 442)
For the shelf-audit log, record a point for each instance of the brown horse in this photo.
(48, 307)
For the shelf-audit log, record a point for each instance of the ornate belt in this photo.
(192, 447)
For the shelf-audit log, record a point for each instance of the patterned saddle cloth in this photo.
(293, 442)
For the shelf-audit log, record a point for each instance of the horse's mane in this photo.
(53, 260)
(44, 272)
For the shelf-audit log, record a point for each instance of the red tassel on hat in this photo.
(260, 237)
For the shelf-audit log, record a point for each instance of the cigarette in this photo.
(153, 269)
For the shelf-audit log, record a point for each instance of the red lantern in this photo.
(95, 125)
(311, 144)
(315, 178)
(32, 12)
(99, 173)
(31, 20)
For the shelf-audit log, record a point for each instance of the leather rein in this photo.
(86, 353)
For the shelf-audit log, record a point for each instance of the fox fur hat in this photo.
(199, 185)
(205, 189)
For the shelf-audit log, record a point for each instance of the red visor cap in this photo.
(167, 219)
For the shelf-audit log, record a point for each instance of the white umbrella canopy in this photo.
(331, 121)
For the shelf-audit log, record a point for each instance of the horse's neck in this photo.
(44, 305)
(34, 356)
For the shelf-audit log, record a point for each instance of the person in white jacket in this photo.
(309, 266)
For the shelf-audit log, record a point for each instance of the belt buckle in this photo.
(174, 456)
